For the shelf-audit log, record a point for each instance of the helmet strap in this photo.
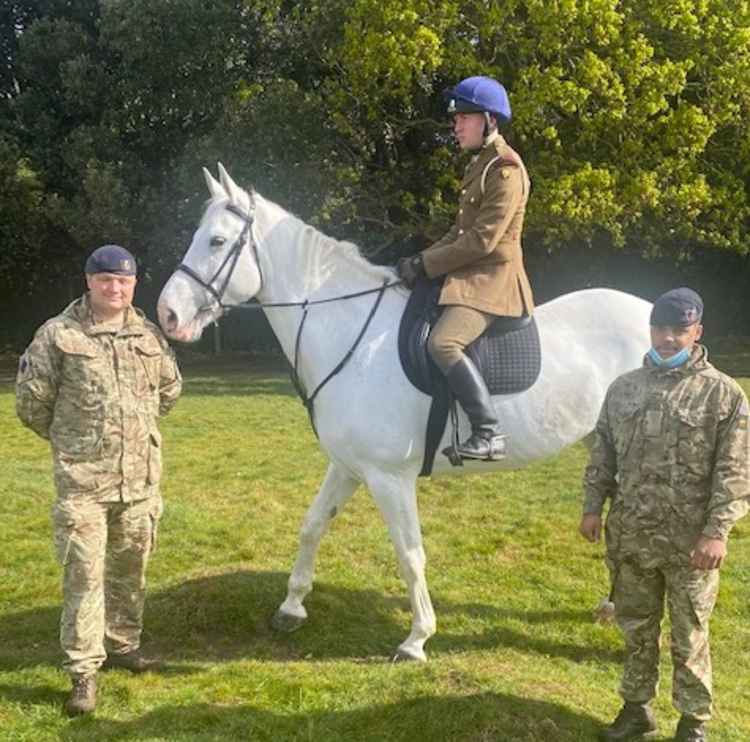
(489, 129)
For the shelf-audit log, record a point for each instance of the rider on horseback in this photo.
(480, 256)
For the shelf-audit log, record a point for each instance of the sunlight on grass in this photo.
(516, 657)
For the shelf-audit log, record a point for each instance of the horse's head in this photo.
(220, 268)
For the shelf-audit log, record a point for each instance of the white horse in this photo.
(369, 418)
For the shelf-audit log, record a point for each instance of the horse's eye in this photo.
(217, 241)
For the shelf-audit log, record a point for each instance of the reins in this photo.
(232, 258)
(299, 387)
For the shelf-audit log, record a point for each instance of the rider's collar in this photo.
(491, 138)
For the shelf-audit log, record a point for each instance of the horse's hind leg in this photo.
(338, 486)
(396, 497)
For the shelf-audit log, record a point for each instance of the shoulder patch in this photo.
(25, 370)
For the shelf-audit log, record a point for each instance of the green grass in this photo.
(517, 655)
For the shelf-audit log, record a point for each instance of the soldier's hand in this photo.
(410, 269)
(709, 553)
(591, 527)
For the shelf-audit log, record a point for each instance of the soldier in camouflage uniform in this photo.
(672, 455)
(93, 382)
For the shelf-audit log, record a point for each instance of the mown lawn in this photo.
(517, 655)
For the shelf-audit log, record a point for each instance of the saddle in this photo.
(508, 355)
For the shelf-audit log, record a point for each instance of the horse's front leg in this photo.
(396, 496)
(336, 489)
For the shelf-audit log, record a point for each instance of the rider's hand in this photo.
(410, 269)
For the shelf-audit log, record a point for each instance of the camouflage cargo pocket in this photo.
(147, 365)
(79, 532)
(696, 436)
(613, 528)
(154, 457)
(701, 588)
(77, 425)
(624, 430)
(155, 516)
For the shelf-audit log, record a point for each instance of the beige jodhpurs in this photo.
(457, 328)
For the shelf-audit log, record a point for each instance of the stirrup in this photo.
(496, 450)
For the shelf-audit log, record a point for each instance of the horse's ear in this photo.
(231, 188)
(214, 187)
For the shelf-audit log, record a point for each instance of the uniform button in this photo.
(460, 211)
(460, 231)
(463, 190)
(471, 200)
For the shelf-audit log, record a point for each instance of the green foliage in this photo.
(19, 214)
(631, 117)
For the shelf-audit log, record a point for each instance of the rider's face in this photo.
(669, 341)
(469, 129)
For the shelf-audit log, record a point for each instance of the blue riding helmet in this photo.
(479, 95)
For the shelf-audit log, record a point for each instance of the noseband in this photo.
(231, 260)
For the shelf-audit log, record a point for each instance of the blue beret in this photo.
(677, 308)
(111, 259)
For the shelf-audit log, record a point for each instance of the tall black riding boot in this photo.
(486, 442)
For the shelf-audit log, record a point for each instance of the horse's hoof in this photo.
(403, 656)
(287, 622)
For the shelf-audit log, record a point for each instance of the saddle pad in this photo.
(508, 354)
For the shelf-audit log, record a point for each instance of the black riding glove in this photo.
(410, 269)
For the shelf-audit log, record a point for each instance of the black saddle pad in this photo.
(508, 354)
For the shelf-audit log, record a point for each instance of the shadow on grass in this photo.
(485, 717)
(236, 374)
(33, 696)
(246, 385)
(226, 617)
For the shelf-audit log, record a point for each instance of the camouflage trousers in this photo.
(639, 594)
(103, 548)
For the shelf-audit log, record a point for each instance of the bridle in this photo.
(231, 259)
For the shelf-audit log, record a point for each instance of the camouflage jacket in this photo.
(95, 392)
(672, 452)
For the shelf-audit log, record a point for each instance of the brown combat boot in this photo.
(133, 661)
(690, 729)
(82, 698)
(635, 721)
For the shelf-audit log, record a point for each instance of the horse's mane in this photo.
(313, 238)
(343, 249)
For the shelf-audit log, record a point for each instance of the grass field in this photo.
(517, 655)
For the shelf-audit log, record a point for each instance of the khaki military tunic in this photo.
(96, 392)
(672, 455)
(481, 254)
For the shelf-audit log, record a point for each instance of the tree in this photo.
(630, 116)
